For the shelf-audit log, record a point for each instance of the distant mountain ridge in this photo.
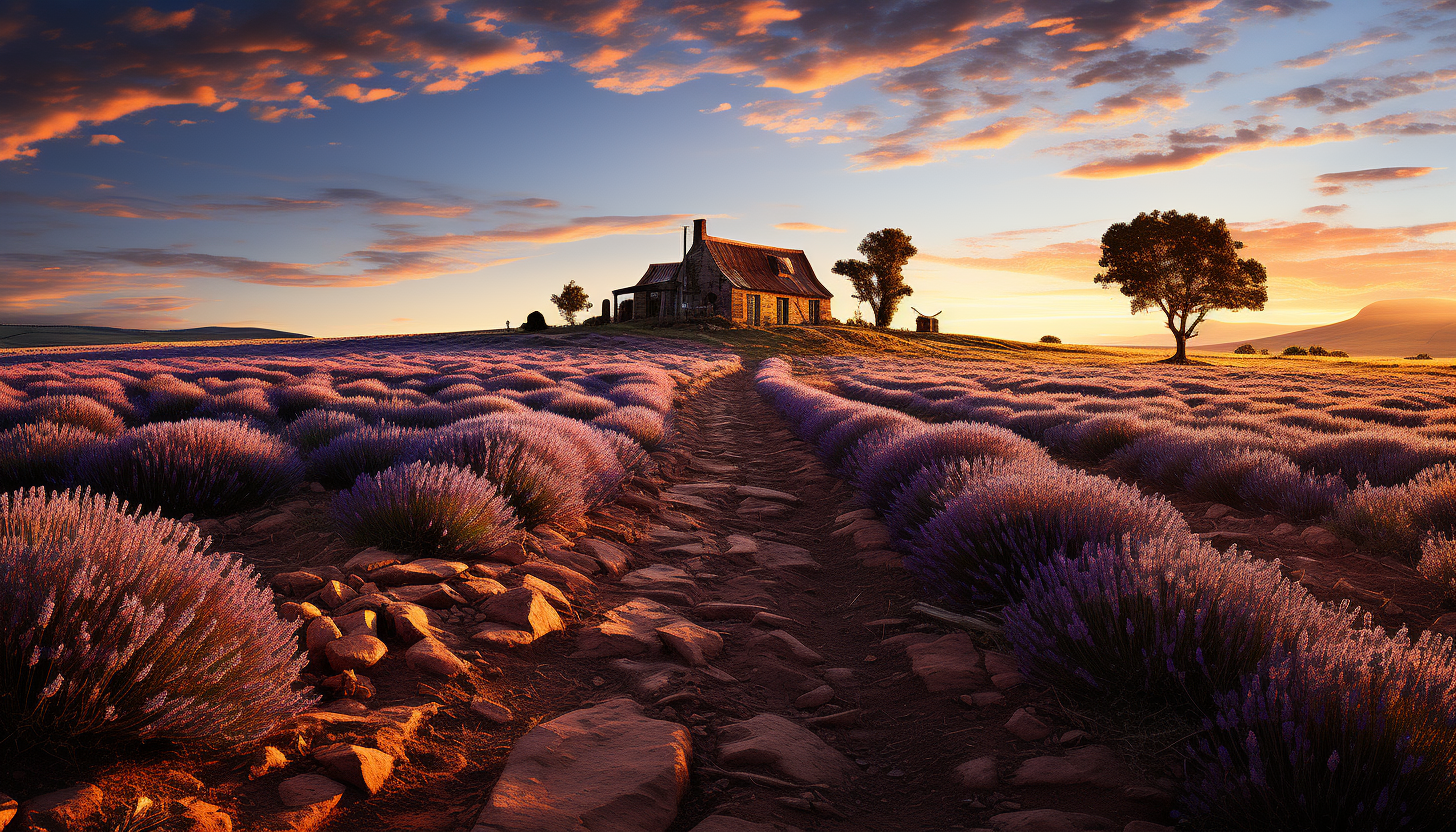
(1207, 331)
(1385, 328)
(45, 335)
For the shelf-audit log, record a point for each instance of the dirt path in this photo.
(905, 740)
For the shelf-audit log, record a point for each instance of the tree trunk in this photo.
(1181, 356)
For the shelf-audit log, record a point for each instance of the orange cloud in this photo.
(358, 94)
(997, 135)
(1191, 148)
(1331, 184)
(104, 138)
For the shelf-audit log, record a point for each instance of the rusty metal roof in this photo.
(780, 271)
(659, 273)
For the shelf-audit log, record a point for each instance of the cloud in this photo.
(1340, 95)
(806, 226)
(1137, 66)
(1325, 210)
(358, 94)
(1331, 184)
(1355, 45)
(721, 108)
(1129, 107)
(63, 72)
(104, 138)
(1190, 148)
(999, 134)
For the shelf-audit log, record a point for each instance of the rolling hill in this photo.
(22, 335)
(1208, 332)
(1388, 327)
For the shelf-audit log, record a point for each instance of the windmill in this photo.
(926, 323)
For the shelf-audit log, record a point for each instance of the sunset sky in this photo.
(342, 167)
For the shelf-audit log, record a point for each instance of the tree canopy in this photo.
(878, 279)
(571, 301)
(1183, 265)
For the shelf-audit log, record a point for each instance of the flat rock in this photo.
(1216, 511)
(756, 509)
(513, 553)
(8, 809)
(694, 548)
(1026, 727)
(475, 590)
(369, 560)
(490, 709)
(628, 630)
(355, 652)
(688, 501)
(741, 544)
(434, 596)
(1050, 820)
(979, 774)
(662, 534)
(552, 592)
(296, 583)
(766, 494)
(411, 622)
(362, 621)
(62, 810)
(780, 641)
(695, 644)
(774, 555)
(366, 601)
(310, 790)
(431, 656)
(949, 664)
(857, 514)
(356, 765)
(791, 750)
(613, 559)
(319, 632)
(608, 768)
(336, 594)
(525, 609)
(422, 571)
(816, 698)
(573, 582)
(503, 636)
(579, 561)
(662, 576)
(1092, 765)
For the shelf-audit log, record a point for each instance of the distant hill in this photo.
(1207, 332)
(1389, 328)
(21, 335)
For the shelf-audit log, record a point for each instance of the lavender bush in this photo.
(642, 425)
(1438, 563)
(74, 410)
(538, 475)
(1397, 518)
(897, 462)
(1338, 735)
(198, 465)
(1161, 622)
(43, 454)
(116, 626)
(367, 450)
(425, 508)
(315, 428)
(988, 539)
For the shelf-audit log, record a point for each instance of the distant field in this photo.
(22, 335)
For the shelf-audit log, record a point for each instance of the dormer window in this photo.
(785, 267)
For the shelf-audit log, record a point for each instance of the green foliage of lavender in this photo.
(117, 626)
(427, 509)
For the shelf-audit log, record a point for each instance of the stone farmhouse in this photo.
(746, 283)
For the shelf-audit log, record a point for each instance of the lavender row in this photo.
(1106, 594)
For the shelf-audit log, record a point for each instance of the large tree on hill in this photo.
(1184, 265)
(571, 301)
(878, 279)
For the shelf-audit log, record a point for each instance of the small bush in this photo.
(537, 475)
(43, 454)
(1355, 733)
(1339, 354)
(198, 465)
(1318, 350)
(894, 465)
(1438, 563)
(74, 410)
(313, 429)
(122, 626)
(926, 494)
(1263, 352)
(1422, 356)
(425, 508)
(580, 405)
(840, 441)
(535, 322)
(295, 399)
(644, 426)
(999, 528)
(1165, 623)
(1245, 349)
(1294, 350)
(1050, 339)
(1095, 439)
(368, 450)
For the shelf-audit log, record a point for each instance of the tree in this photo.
(571, 301)
(535, 322)
(877, 280)
(1183, 264)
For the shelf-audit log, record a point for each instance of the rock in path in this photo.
(790, 750)
(1093, 765)
(66, 809)
(607, 768)
(364, 768)
(1050, 820)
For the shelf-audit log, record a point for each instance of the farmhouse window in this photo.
(752, 302)
(781, 311)
(814, 311)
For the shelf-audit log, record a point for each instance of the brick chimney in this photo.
(700, 230)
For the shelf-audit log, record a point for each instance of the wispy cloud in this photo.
(1331, 184)
(806, 226)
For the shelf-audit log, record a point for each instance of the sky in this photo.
(355, 167)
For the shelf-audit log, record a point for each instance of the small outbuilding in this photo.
(744, 282)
